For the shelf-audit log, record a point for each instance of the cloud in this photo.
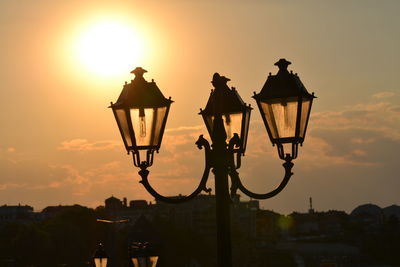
(85, 145)
(186, 128)
(321, 154)
(361, 140)
(382, 118)
(10, 185)
(383, 95)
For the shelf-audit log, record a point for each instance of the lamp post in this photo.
(141, 112)
(143, 255)
(100, 257)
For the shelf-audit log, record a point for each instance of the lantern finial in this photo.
(139, 71)
(219, 80)
(282, 64)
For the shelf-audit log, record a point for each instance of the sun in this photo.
(108, 48)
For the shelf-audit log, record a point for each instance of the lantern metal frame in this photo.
(280, 86)
(142, 250)
(141, 95)
(227, 102)
(100, 253)
(224, 158)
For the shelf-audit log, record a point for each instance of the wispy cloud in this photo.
(186, 128)
(361, 140)
(381, 117)
(383, 95)
(85, 145)
(10, 186)
(321, 154)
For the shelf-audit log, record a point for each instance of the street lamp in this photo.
(100, 257)
(227, 104)
(284, 105)
(141, 112)
(142, 255)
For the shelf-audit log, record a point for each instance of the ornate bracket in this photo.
(201, 143)
(232, 171)
(237, 184)
(235, 141)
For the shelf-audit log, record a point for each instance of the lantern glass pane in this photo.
(232, 124)
(153, 261)
(269, 117)
(135, 262)
(245, 133)
(281, 114)
(147, 124)
(139, 262)
(305, 111)
(122, 121)
(100, 262)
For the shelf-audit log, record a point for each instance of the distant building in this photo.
(113, 203)
(316, 223)
(52, 211)
(138, 204)
(333, 222)
(244, 216)
(305, 223)
(370, 215)
(392, 210)
(267, 227)
(310, 210)
(16, 214)
(198, 214)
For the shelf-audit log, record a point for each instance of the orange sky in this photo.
(60, 144)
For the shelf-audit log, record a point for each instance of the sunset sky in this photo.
(63, 62)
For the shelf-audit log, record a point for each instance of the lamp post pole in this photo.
(141, 113)
(223, 219)
(223, 200)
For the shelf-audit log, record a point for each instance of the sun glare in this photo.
(109, 48)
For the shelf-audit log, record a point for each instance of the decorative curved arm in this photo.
(201, 142)
(237, 184)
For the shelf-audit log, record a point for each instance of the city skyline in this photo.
(125, 202)
(59, 142)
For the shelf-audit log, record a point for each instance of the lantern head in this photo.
(141, 113)
(285, 106)
(142, 255)
(100, 257)
(226, 104)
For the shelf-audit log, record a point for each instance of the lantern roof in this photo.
(140, 93)
(223, 99)
(283, 84)
(100, 253)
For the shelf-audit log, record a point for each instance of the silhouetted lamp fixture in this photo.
(100, 257)
(143, 255)
(285, 107)
(141, 112)
(227, 103)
